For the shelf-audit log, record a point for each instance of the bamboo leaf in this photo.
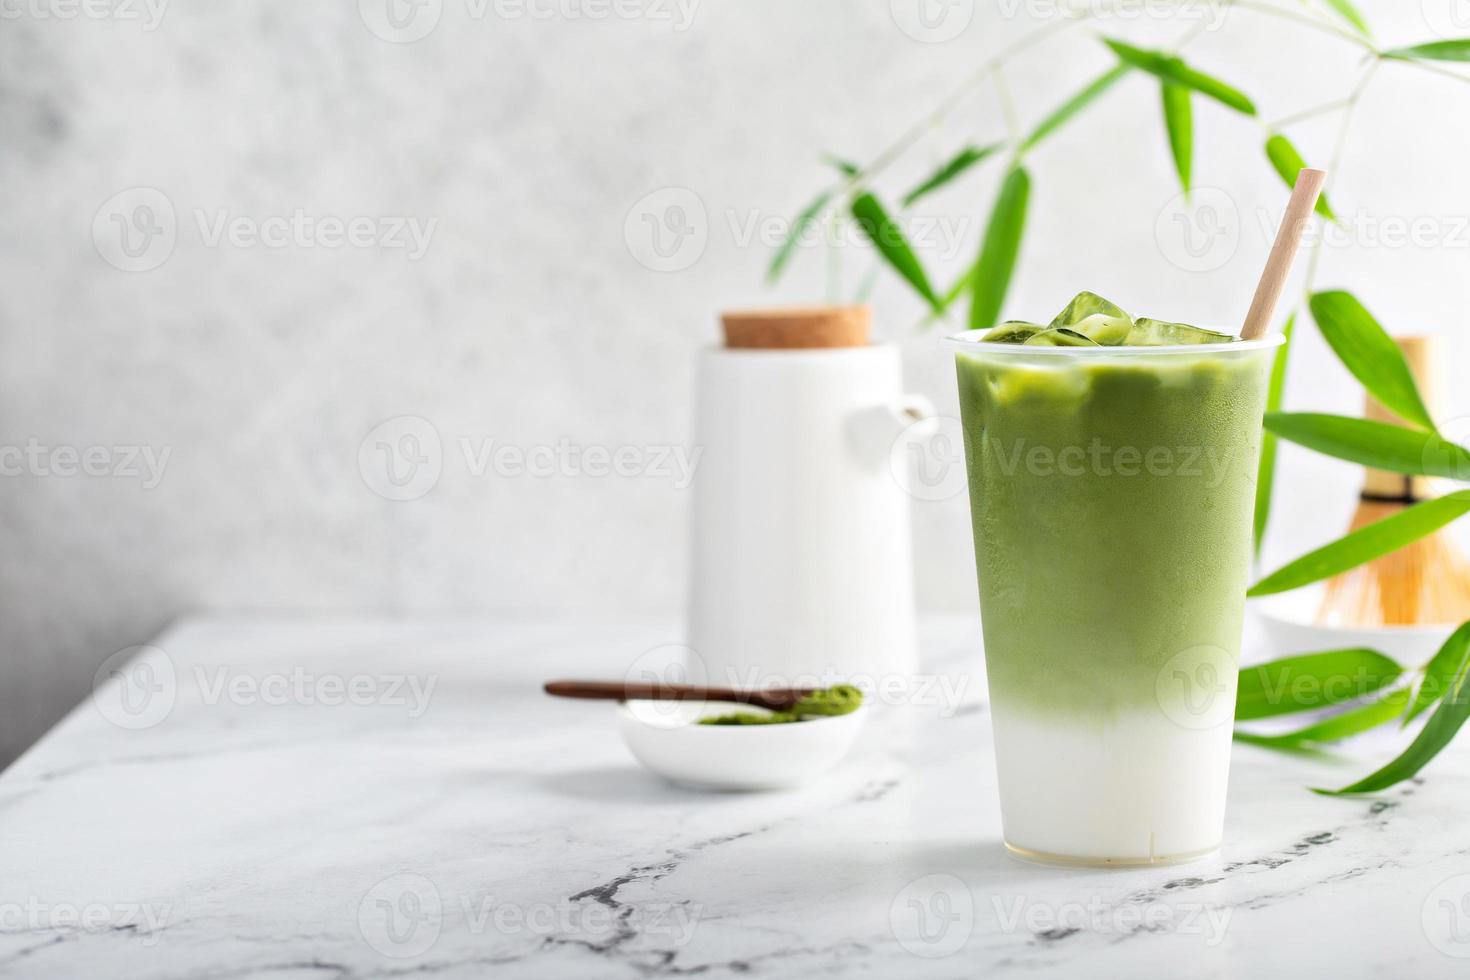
(1379, 445)
(1456, 50)
(1355, 721)
(1349, 13)
(798, 228)
(1074, 105)
(1291, 748)
(999, 249)
(1288, 163)
(1438, 732)
(1345, 724)
(1365, 544)
(1173, 69)
(961, 285)
(1266, 473)
(1311, 680)
(958, 288)
(846, 167)
(1179, 121)
(1452, 660)
(889, 239)
(956, 165)
(1366, 350)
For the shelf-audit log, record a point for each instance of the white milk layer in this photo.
(1138, 788)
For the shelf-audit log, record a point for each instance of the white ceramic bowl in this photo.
(1286, 620)
(668, 740)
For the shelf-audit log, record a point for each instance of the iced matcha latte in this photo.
(1112, 466)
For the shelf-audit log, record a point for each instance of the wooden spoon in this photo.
(775, 698)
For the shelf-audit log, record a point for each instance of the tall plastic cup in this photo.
(1112, 491)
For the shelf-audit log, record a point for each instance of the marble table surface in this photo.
(337, 798)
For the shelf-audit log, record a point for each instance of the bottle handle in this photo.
(875, 429)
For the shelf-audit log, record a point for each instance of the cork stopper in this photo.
(798, 327)
(1426, 364)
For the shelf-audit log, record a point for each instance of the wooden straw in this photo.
(1278, 265)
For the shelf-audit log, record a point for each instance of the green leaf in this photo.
(1311, 680)
(1367, 350)
(1288, 163)
(1345, 724)
(889, 239)
(1349, 13)
(1438, 732)
(999, 249)
(1379, 445)
(1266, 474)
(961, 285)
(1365, 544)
(798, 228)
(846, 167)
(955, 291)
(1304, 749)
(1355, 721)
(1172, 69)
(958, 164)
(1450, 662)
(1456, 50)
(1074, 105)
(1179, 120)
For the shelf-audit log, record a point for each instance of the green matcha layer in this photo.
(1112, 498)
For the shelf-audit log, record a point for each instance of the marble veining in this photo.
(269, 823)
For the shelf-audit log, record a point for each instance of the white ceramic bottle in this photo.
(802, 564)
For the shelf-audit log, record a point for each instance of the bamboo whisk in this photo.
(1425, 583)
